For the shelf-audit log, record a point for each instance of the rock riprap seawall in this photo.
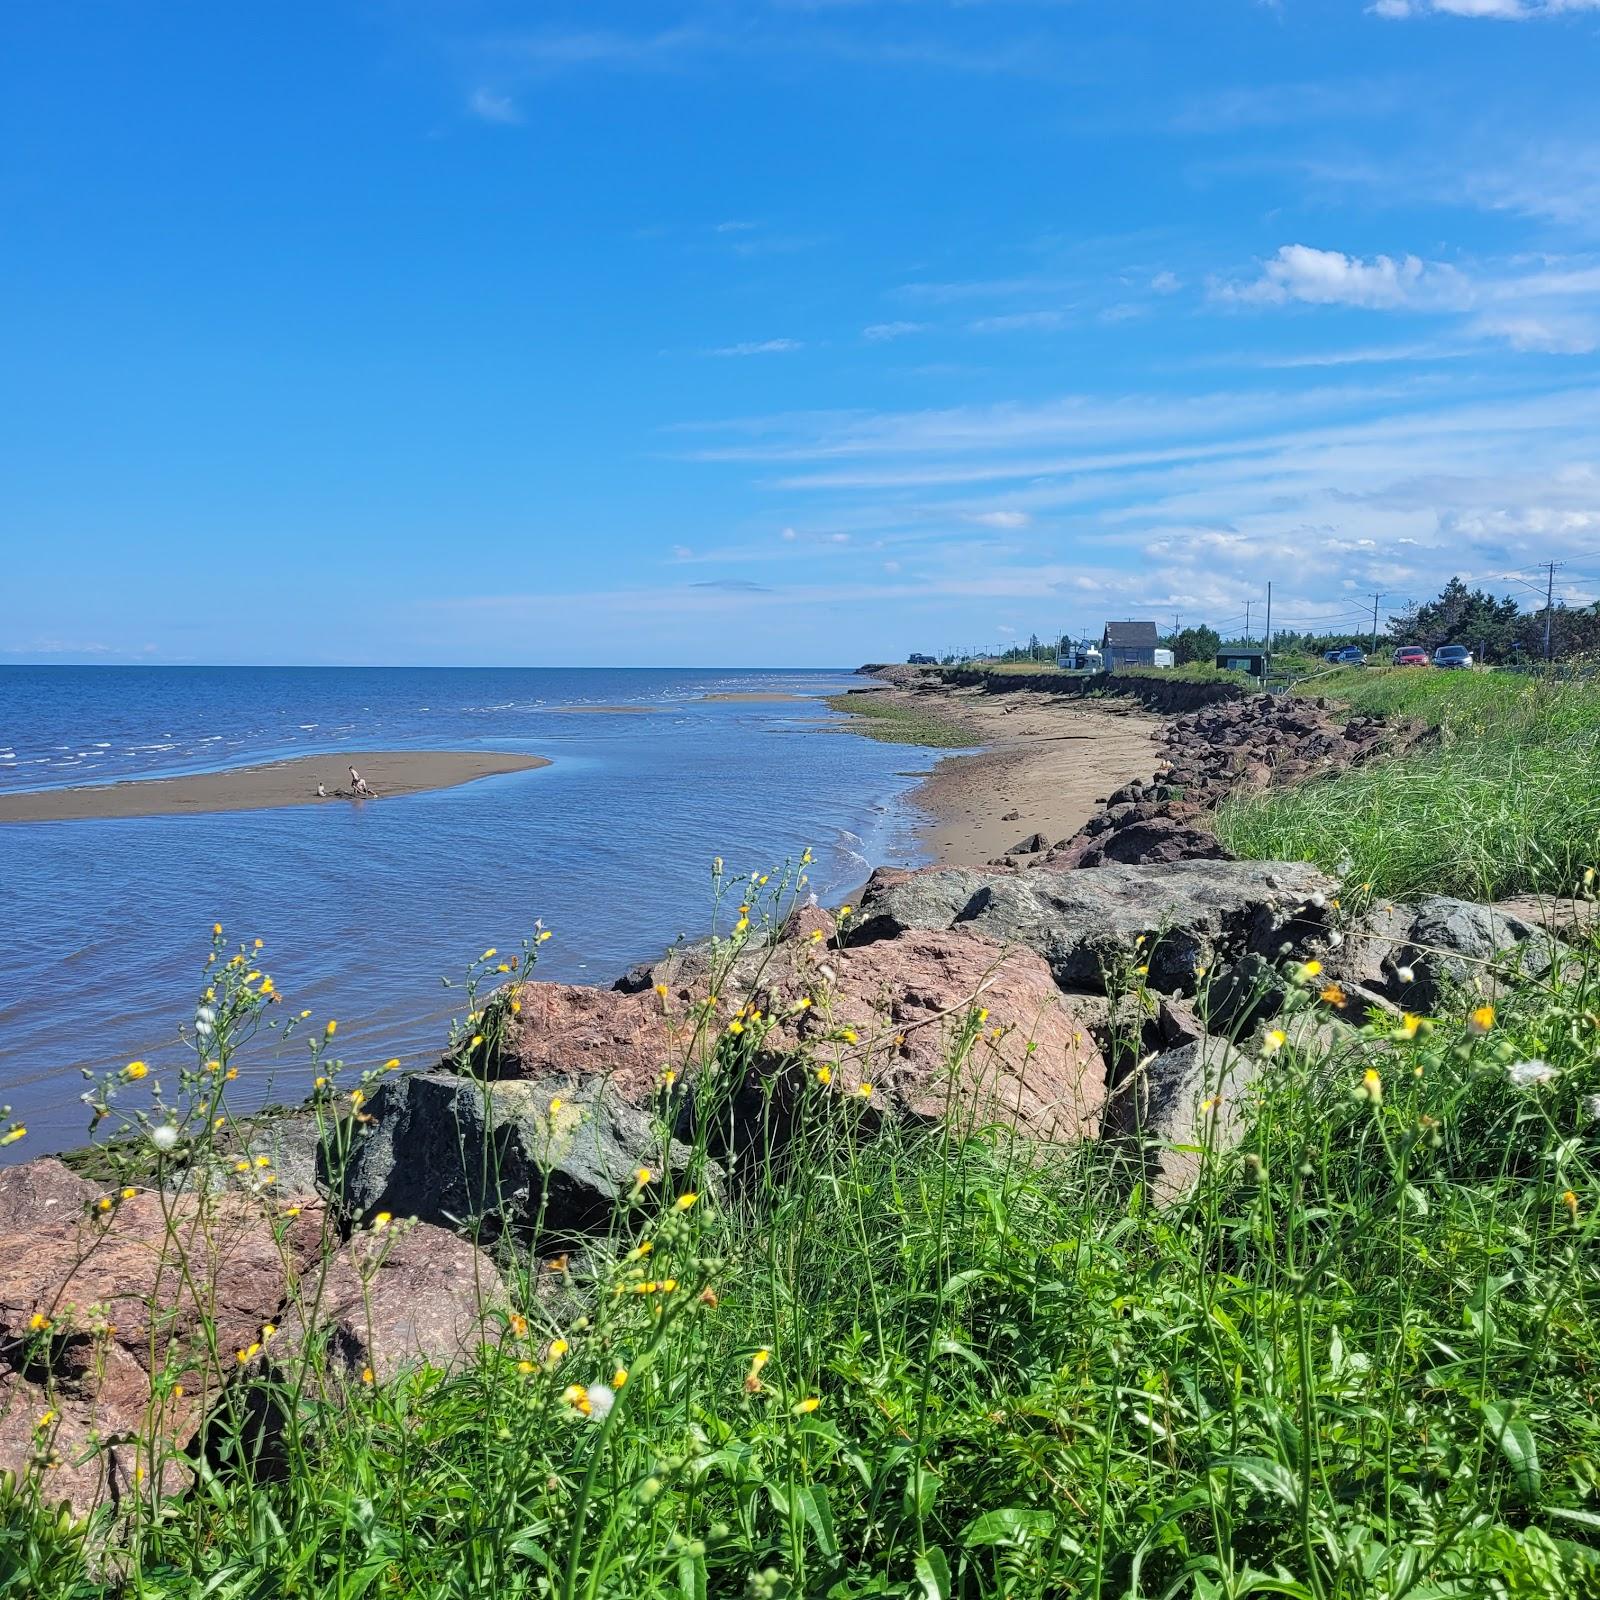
(1124, 1004)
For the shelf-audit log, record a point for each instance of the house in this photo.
(1129, 644)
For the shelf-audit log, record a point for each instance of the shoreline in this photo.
(1039, 765)
(266, 785)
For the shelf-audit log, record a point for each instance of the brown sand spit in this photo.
(292, 782)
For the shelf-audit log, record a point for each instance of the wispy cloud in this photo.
(733, 586)
(1495, 10)
(1019, 322)
(880, 331)
(759, 347)
(489, 106)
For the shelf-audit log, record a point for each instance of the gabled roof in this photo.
(1131, 635)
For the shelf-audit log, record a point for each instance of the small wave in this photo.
(306, 727)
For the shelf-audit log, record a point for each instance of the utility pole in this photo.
(1266, 660)
(1247, 622)
(1375, 599)
(1549, 601)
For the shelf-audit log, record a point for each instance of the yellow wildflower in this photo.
(824, 1075)
(686, 1201)
(1371, 1086)
(1274, 1042)
(331, 1029)
(135, 1070)
(619, 1377)
(805, 1407)
(1481, 1020)
(39, 1322)
(381, 1221)
(366, 1375)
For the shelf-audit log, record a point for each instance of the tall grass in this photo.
(1503, 798)
(1359, 1360)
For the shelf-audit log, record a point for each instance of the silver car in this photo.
(1452, 655)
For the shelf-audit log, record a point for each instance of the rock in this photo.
(567, 1031)
(1011, 816)
(1177, 1024)
(1173, 917)
(1194, 1096)
(1453, 942)
(450, 1150)
(1157, 840)
(1032, 845)
(1563, 916)
(1245, 993)
(413, 1295)
(1372, 950)
(42, 1192)
(159, 1291)
(906, 1000)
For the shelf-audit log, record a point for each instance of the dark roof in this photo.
(1131, 635)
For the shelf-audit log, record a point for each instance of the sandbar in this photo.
(755, 698)
(290, 782)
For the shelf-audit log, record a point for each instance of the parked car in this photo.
(1452, 655)
(1331, 656)
(917, 659)
(1352, 656)
(1411, 655)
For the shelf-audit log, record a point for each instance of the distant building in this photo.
(1129, 644)
(1243, 659)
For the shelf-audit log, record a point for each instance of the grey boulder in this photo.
(1177, 918)
(1454, 942)
(1178, 1107)
(508, 1157)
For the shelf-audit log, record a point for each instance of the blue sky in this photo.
(783, 331)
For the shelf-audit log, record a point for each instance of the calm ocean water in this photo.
(104, 925)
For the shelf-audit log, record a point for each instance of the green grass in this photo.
(886, 717)
(1357, 1362)
(1503, 798)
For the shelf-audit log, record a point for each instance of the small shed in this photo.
(1244, 659)
(1129, 644)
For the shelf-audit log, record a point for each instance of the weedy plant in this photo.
(851, 1357)
(1503, 798)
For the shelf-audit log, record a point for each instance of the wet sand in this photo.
(292, 782)
(1048, 761)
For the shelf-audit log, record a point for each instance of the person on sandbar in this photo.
(358, 784)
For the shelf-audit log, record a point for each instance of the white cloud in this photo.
(877, 331)
(1000, 519)
(1166, 283)
(489, 106)
(760, 347)
(1329, 277)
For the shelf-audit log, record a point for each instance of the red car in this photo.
(1411, 655)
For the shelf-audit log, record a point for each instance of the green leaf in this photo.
(933, 1573)
(1270, 1477)
(1517, 1445)
(819, 1515)
(922, 1488)
(1010, 1526)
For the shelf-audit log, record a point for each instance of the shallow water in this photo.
(105, 925)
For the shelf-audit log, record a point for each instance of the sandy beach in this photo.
(1045, 766)
(292, 782)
